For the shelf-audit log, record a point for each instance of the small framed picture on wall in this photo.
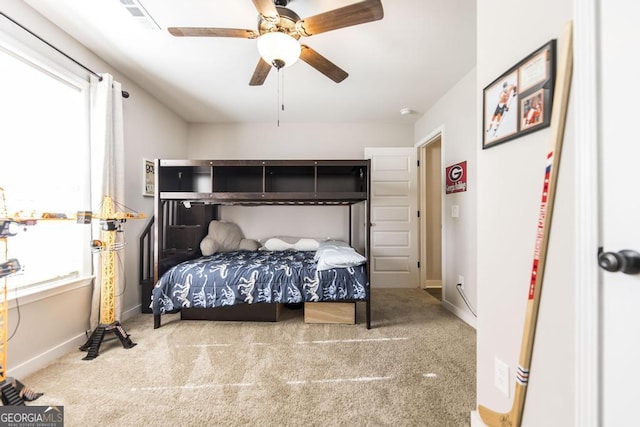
(149, 178)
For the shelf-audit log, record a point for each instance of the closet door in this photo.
(394, 224)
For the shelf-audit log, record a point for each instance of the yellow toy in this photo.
(111, 222)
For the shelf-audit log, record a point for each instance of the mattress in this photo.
(252, 277)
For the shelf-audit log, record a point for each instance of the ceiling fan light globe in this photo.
(279, 48)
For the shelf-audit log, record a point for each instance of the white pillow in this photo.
(334, 256)
(329, 244)
(276, 244)
(291, 243)
(306, 245)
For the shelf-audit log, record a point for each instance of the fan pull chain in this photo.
(278, 100)
(283, 91)
(280, 95)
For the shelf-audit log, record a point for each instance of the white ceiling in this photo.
(409, 59)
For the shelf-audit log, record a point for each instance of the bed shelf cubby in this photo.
(262, 181)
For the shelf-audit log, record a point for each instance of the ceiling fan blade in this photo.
(260, 74)
(322, 64)
(354, 14)
(267, 9)
(212, 32)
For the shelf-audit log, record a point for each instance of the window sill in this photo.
(36, 293)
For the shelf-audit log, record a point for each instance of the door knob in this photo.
(626, 260)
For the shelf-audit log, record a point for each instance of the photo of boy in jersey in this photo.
(532, 110)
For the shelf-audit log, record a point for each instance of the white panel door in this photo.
(620, 210)
(394, 223)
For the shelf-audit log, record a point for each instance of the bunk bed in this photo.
(189, 195)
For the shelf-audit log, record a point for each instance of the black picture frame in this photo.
(520, 100)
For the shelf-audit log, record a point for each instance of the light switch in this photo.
(455, 211)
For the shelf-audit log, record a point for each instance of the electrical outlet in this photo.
(501, 376)
(461, 281)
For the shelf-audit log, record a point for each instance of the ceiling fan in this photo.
(275, 21)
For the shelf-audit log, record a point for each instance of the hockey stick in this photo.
(513, 418)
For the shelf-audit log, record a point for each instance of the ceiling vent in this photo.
(140, 14)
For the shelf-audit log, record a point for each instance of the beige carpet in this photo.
(415, 367)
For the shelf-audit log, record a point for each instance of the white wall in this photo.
(310, 141)
(509, 189)
(55, 324)
(150, 131)
(455, 115)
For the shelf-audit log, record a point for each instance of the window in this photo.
(44, 166)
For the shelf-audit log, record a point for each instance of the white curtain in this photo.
(107, 171)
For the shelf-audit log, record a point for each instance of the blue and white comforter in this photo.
(250, 277)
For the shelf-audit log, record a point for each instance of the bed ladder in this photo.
(145, 278)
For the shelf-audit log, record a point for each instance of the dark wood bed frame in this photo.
(176, 231)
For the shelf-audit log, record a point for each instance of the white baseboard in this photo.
(432, 284)
(464, 315)
(43, 359)
(132, 312)
(476, 421)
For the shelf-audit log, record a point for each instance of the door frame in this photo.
(437, 134)
(588, 406)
